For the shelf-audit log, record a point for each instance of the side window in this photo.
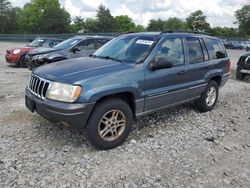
(88, 44)
(48, 44)
(194, 50)
(100, 42)
(216, 49)
(172, 50)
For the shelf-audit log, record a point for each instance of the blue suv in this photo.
(132, 75)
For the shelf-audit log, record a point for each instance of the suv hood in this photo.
(78, 69)
(37, 51)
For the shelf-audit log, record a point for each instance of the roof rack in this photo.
(186, 31)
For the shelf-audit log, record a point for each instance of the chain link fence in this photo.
(30, 37)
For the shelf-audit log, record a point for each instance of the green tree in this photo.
(5, 8)
(156, 25)
(14, 20)
(78, 24)
(105, 21)
(140, 28)
(45, 16)
(197, 21)
(243, 19)
(91, 25)
(224, 31)
(124, 23)
(174, 24)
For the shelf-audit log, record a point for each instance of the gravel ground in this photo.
(179, 147)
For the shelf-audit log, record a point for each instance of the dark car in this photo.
(131, 76)
(79, 46)
(16, 56)
(243, 67)
(233, 45)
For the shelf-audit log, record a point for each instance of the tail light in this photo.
(228, 65)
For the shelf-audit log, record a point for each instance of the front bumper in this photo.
(244, 68)
(12, 59)
(67, 114)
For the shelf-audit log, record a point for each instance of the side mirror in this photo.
(161, 64)
(76, 49)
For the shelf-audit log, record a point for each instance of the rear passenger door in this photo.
(167, 86)
(199, 64)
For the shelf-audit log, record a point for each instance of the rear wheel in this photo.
(22, 62)
(109, 124)
(239, 75)
(208, 98)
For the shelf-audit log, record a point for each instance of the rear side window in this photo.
(215, 48)
(195, 50)
(88, 44)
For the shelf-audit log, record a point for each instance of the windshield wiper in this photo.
(105, 57)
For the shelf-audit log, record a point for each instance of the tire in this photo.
(239, 75)
(104, 116)
(30, 66)
(22, 63)
(204, 104)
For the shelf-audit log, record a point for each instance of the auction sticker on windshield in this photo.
(145, 42)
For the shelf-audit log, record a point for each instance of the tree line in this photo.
(47, 16)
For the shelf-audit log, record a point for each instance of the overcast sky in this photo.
(218, 12)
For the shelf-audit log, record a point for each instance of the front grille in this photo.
(38, 86)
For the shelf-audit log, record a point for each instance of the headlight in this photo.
(16, 51)
(63, 92)
(39, 56)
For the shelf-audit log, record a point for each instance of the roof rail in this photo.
(187, 31)
(128, 32)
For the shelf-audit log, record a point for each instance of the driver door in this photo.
(166, 86)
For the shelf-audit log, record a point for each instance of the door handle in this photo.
(181, 72)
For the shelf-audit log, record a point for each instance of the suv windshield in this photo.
(67, 44)
(129, 49)
(37, 42)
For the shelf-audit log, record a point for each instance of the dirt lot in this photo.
(179, 147)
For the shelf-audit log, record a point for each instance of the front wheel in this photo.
(109, 124)
(209, 97)
(22, 62)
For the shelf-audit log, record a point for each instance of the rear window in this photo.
(215, 48)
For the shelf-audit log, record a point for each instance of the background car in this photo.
(233, 45)
(79, 46)
(245, 45)
(243, 67)
(16, 56)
